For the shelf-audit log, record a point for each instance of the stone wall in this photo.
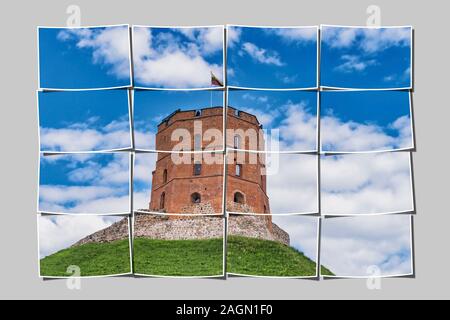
(199, 208)
(116, 231)
(190, 227)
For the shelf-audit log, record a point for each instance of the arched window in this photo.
(165, 176)
(198, 113)
(239, 198)
(196, 197)
(162, 200)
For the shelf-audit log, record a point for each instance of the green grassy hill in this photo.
(182, 258)
(268, 258)
(94, 259)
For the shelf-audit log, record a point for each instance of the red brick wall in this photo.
(181, 182)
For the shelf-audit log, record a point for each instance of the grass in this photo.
(183, 258)
(268, 258)
(94, 259)
(204, 258)
(178, 257)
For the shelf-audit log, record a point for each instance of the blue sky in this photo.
(272, 57)
(293, 113)
(150, 107)
(177, 57)
(84, 120)
(365, 58)
(358, 121)
(84, 58)
(84, 183)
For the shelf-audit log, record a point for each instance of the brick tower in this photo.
(196, 187)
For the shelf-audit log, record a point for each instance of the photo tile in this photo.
(273, 246)
(179, 121)
(89, 183)
(363, 247)
(178, 184)
(366, 57)
(272, 57)
(272, 121)
(84, 246)
(84, 57)
(272, 183)
(366, 184)
(178, 57)
(84, 121)
(178, 245)
(365, 121)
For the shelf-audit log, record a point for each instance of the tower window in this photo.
(165, 176)
(238, 198)
(237, 141)
(198, 113)
(239, 170)
(197, 169)
(162, 201)
(237, 113)
(196, 198)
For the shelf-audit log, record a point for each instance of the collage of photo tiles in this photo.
(218, 151)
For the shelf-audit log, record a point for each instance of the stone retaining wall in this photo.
(190, 227)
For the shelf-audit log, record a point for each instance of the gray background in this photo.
(19, 160)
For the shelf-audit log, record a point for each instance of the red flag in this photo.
(215, 81)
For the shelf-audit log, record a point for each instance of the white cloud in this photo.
(261, 55)
(353, 136)
(142, 199)
(351, 245)
(399, 78)
(251, 97)
(292, 183)
(145, 140)
(143, 168)
(60, 232)
(368, 40)
(265, 117)
(110, 46)
(298, 129)
(366, 183)
(165, 61)
(298, 35)
(93, 187)
(60, 194)
(82, 199)
(208, 40)
(381, 39)
(339, 37)
(302, 231)
(144, 164)
(353, 63)
(83, 136)
(233, 36)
